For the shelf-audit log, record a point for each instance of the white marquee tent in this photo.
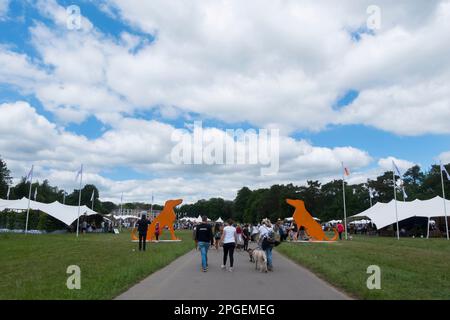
(219, 220)
(62, 212)
(383, 214)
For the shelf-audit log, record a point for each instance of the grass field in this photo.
(410, 268)
(34, 266)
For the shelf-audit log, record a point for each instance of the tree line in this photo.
(323, 201)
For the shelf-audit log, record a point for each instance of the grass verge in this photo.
(34, 266)
(410, 268)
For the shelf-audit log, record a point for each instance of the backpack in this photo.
(269, 241)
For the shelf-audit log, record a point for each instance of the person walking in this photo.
(340, 230)
(142, 226)
(254, 234)
(217, 235)
(246, 236)
(229, 239)
(240, 239)
(267, 241)
(157, 231)
(204, 238)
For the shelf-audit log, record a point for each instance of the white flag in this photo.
(7, 194)
(30, 174)
(445, 170)
(396, 168)
(35, 194)
(371, 193)
(79, 173)
(93, 194)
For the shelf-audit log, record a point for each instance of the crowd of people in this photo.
(232, 236)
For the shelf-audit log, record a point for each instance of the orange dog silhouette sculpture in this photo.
(166, 218)
(304, 219)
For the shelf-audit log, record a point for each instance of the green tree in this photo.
(5, 179)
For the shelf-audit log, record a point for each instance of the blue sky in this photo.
(144, 72)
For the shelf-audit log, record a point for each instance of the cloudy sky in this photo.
(111, 93)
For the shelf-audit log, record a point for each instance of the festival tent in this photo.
(62, 212)
(291, 218)
(219, 220)
(383, 214)
(124, 217)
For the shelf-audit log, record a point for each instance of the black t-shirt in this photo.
(142, 225)
(203, 233)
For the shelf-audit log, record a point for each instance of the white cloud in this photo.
(28, 138)
(271, 63)
(278, 64)
(4, 6)
(403, 165)
(444, 157)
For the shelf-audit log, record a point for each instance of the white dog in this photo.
(259, 256)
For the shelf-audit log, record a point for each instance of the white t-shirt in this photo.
(264, 231)
(229, 232)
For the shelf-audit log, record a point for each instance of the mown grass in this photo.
(410, 268)
(34, 266)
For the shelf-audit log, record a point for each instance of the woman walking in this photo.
(229, 239)
(267, 241)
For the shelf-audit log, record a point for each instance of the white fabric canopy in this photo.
(383, 214)
(219, 220)
(125, 216)
(62, 212)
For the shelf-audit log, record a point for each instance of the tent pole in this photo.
(395, 199)
(428, 228)
(29, 196)
(443, 198)
(343, 196)
(79, 201)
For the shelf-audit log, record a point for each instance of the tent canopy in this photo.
(62, 212)
(219, 220)
(383, 214)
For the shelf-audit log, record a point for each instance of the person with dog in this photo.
(142, 226)
(204, 238)
(267, 241)
(229, 240)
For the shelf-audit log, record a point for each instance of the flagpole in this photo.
(395, 199)
(9, 190)
(79, 201)
(121, 210)
(443, 196)
(64, 197)
(93, 199)
(29, 196)
(151, 207)
(343, 196)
